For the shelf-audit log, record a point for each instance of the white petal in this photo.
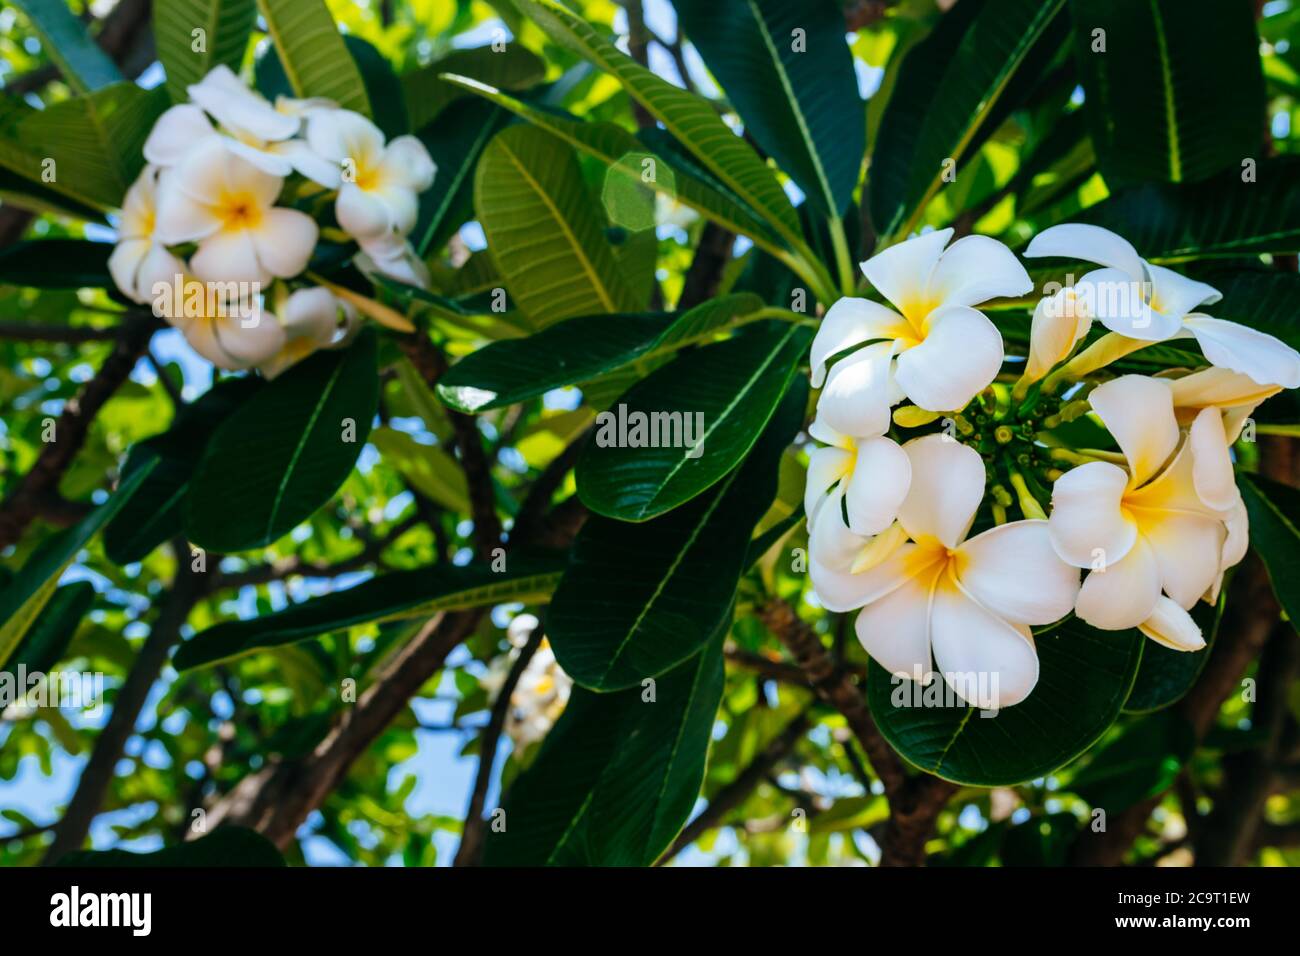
(830, 542)
(881, 477)
(1267, 360)
(235, 106)
(989, 662)
(308, 162)
(855, 401)
(1220, 387)
(201, 334)
(975, 269)
(124, 264)
(340, 135)
(1124, 594)
(960, 356)
(1187, 549)
(159, 266)
(825, 467)
(1139, 412)
(393, 256)
(1211, 461)
(253, 343)
(894, 630)
(362, 214)
(947, 485)
(229, 257)
(1173, 627)
(177, 131)
(1087, 522)
(902, 272)
(1076, 240)
(1014, 572)
(847, 323)
(408, 163)
(844, 591)
(285, 240)
(1176, 295)
(311, 313)
(268, 161)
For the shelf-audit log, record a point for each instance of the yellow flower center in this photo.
(239, 211)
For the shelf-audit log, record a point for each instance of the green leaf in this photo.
(692, 120)
(226, 846)
(638, 599)
(427, 94)
(45, 643)
(284, 452)
(1040, 841)
(1165, 675)
(948, 87)
(95, 141)
(30, 590)
(1142, 762)
(313, 54)
(1274, 510)
(455, 141)
(1261, 299)
(226, 26)
(384, 90)
(1222, 216)
(84, 65)
(428, 468)
(1084, 678)
(1178, 93)
(530, 196)
(23, 193)
(720, 395)
(799, 100)
(155, 511)
(617, 775)
(579, 349)
(624, 154)
(57, 264)
(390, 597)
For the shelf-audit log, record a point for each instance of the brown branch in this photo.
(68, 334)
(704, 276)
(732, 795)
(471, 840)
(25, 501)
(187, 589)
(638, 42)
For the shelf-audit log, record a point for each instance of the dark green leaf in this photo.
(579, 349)
(797, 94)
(720, 395)
(312, 53)
(618, 774)
(227, 846)
(1084, 677)
(638, 599)
(49, 637)
(285, 451)
(455, 141)
(1040, 841)
(383, 88)
(1140, 763)
(1165, 675)
(226, 26)
(513, 68)
(82, 63)
(57, 264)
(389, 597)
(1177, 93)
(1274, 510)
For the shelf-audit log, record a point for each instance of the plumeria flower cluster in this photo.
(542, 691)
(217, 232)
(916, 535)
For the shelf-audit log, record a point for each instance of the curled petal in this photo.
(1059, 322)
(1175, 295)
(946, 488)
(1173, 627)
(847, 323)
(960, 356)
(1212, 461)
(224, 97)
(1219, 387)
(1139, 412)
(1014, 572)
(830, 541)
(1120, 303)
(825, 467)
(855, 401)
(177, 131)
(1265, 359)
(881, 477)
(1087, 523)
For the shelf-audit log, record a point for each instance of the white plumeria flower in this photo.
(250, 127)
(227, 205)
(936, 349)
(1139, 300)
(378, 183)
(1060, 322)
(969, 603)
(394, 257)
(1153, 543)
(671, 211)
(310, 319)
(139, 261)
(869, 478)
